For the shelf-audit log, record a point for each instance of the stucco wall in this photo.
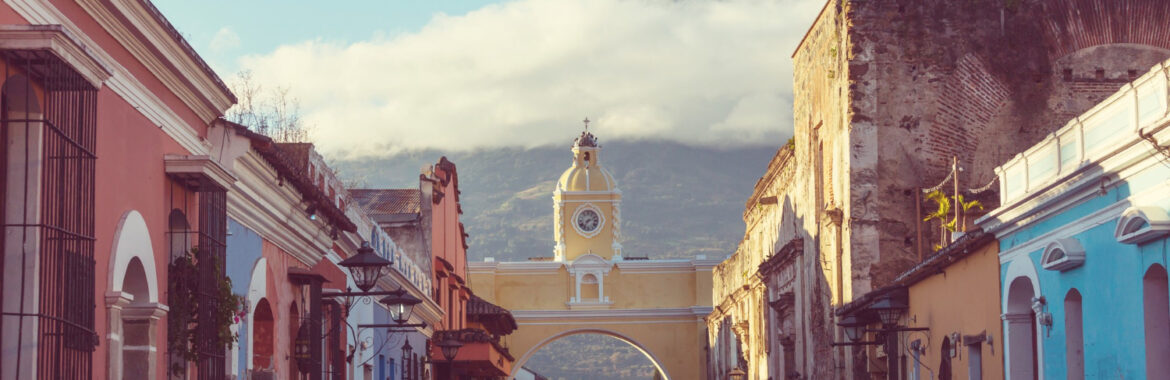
(964, 299)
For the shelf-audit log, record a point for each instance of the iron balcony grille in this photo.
(60, 237)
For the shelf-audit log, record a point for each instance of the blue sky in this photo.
(377, 77)
(263, 25)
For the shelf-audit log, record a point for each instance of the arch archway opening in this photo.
(1020, 318)
(263, 332)
(1156, 316)
(138, 320)
(589, 353)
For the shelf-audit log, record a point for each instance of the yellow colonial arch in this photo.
(624, 336)
(587, 286)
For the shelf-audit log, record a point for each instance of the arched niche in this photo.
(658, 364)
(132, 302)
(1138, 225)
(1063, 254)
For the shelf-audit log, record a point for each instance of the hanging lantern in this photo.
(400, 306)
(365, 267)
(301, 349)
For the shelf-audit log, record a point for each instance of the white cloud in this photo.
(224, 40)
(526, 72)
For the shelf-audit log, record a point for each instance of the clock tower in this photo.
(587, 206)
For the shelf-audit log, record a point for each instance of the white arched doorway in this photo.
(638, 346)
(1023, 348)
(132, 302)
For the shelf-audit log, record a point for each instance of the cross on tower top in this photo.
(586, 124)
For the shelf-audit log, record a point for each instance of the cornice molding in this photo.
(200, 166)
(198, 90)
(673, 312)
(56, 39)
(121, 81)
(515, 267)
(1078, 186)
(274, 212)
(666, 266)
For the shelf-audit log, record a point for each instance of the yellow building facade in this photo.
(586, 286)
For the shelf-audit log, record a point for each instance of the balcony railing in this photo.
(473, 336)
(1091, 136)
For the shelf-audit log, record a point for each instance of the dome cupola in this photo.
(586, 174)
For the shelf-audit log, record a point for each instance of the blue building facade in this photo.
(1083, 230)
(244, 250)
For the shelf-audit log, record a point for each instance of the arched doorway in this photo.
(600, 337)
(263, 329)
(132, 303)
(1156, 305)
(1022, 358)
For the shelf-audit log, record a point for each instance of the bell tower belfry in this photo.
(587, 206)
(589, 288)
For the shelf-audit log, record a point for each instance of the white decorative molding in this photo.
(522, 268)
(203, 94)
(274, 212)
(666, 266)
(56, 39)
(586, 267)
(1063, 254)
(1139, 225)
(529, 316)
(198, 166)
(132, 241)
(600, 220)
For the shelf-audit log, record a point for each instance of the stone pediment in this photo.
(590, 263)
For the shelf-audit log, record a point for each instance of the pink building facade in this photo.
(117, 166)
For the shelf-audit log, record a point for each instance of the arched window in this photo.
(1074, 337)
(1156, 302)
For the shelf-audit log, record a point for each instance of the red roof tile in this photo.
(387, 201)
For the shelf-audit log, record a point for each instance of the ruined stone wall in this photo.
(820, 112)
(888, 91)
(976, 80)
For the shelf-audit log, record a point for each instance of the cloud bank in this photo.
(524, 73)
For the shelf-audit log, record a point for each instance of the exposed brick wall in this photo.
(1073, 25)
(970, 98)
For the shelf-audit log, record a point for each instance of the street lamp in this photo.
(450, 348)
(400, 306)
(889, 310)
(736, 374)
(853, 327)
(365, 267)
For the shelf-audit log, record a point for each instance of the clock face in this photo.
(588, 220)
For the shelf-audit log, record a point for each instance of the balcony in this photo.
(481, 356)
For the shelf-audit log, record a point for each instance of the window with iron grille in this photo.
(49, 127)
(211, 259)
